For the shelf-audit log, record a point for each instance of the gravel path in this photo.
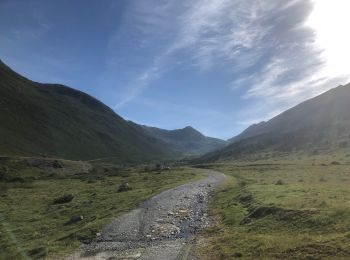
(163, 227)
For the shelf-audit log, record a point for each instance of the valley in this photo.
(78, 181)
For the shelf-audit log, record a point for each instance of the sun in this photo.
(331, 21)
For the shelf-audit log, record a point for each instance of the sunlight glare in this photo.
(331, 20)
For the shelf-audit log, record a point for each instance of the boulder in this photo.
(124, 187)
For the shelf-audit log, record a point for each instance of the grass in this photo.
(32, 223)
(58, 121)
(294, 208)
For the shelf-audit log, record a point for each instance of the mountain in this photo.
(187, 141)
(321, 123)
(252, 130)
(58, 121)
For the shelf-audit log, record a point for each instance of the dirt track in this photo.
(163, 227)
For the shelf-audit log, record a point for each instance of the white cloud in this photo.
(139, 86)
(269, 48)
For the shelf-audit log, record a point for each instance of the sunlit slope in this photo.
(55, 120)
(321, 123)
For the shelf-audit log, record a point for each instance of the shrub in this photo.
(124, 187)
(37, 253)
(280, 182)
(74, 220)
(17, 179)
(237, 255)
(63, 199)
(158, 166)
(2, 176)
(242, 183)
(57, 164)
(3, 189)
(335, 163)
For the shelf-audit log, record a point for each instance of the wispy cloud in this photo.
(245, 59)
(266, 47)
(140, 84)
(180, 115)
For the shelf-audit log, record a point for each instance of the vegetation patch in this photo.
(278, 213)
(63, 199)
(306, 216)
(124, 187)
(55, 209)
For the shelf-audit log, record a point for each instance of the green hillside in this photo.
(316, 125)
(58, 121)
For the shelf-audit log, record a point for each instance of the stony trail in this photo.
(164, 227)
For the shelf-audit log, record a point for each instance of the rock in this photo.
(237, 255)
(37, 253)
(335, 163)
(63, 199)
(74, 220)
(124, 187)
(280, 182)
(57, 164)
(165, 230)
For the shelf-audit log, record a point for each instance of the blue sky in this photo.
(217, 65)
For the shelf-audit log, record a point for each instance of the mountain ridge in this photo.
(56, 120)
(320, 123)
(187, 140)
(45, 119)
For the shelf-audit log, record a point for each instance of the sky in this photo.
(217, 65)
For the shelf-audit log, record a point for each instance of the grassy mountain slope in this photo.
(187, 141)
(281, 209)
(55, 120)
(321, 123)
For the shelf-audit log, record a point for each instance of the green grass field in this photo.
(287, 208)
(31, 225)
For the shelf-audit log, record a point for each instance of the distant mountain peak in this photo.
(187, 140)
(189, 128)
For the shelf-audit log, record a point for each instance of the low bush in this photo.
(280, 182)
(37, 253)
(124, 187)
(63, 199)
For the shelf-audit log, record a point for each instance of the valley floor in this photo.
(291, 208)
(49, 207)
(164, 227)
(281, 209)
